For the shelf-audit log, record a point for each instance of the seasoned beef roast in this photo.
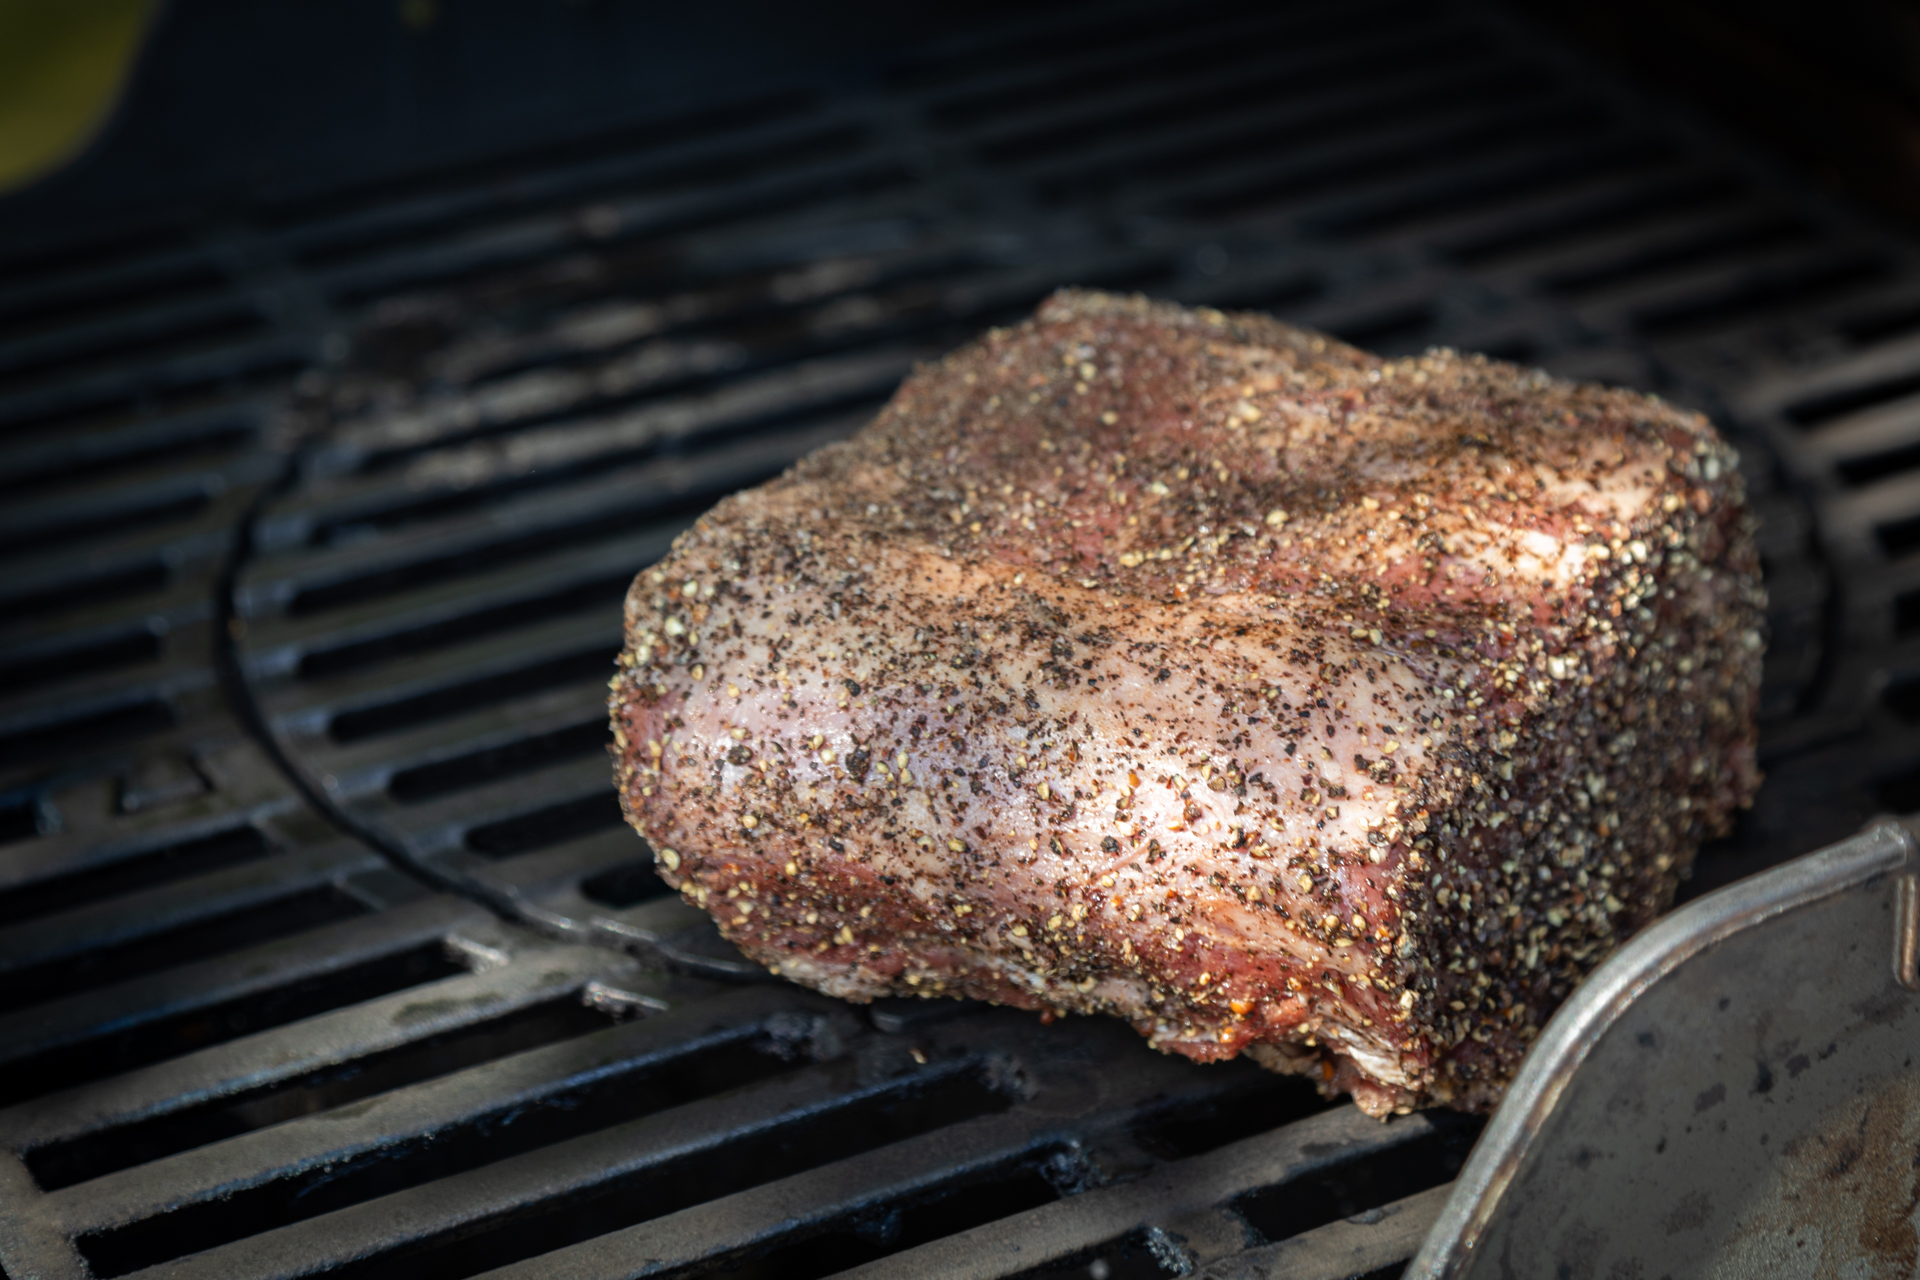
(1194, 668)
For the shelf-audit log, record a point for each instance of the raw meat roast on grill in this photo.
(1194, 668)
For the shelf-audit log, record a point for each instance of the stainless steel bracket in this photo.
(1735, 1093)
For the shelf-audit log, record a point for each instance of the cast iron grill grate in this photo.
(237, 1042)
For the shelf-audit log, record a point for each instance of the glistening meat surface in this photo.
(1205, 671)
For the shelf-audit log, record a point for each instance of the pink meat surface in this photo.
(1205, 671)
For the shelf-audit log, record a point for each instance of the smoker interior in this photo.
(322, 945)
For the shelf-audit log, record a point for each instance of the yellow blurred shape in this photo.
(62, 66)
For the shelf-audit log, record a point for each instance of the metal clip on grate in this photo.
(311, 845)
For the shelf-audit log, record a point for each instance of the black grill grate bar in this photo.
(1162, 161)
(1683, 240)
(329, 1045)
(817, 353)
(507, 474)
(115, 383)
(1766, 292)
(1718, 295)
(778, 119)
(110, 515)
(464, 765)
(1531, 224)
(674, 492)
(1494, 181)
(1029, 92)
(246, 876)
(151, 1017)
(1878, 430)
(1013, 54)
(56, 875)
(1370, 1244)
(1255, 77)
(1298, 178)
(584, 1110)
(454, 688)
(432, 609)
(172, 442)
(1580, 256)
(1058, 1232)
(561, 803)
(784, 1212)
(1854, 384)
(78, 297)
(689, 389)
(126, 335)
(668, 1158)
(539, 237)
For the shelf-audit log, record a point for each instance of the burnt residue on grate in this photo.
(237, 1041)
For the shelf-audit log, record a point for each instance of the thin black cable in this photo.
(504, 900)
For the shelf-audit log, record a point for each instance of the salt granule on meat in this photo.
(1205, 671)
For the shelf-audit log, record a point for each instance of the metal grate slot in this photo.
(617, 1098)
(19, 819)
(1671, 190)
(1866, 469)
(585, 593)
(176, 381)
(627, 884)
(755, 197)
(164, 332)
(167, 1033)
(98, 289)
(1881, 323)
(481, 557)
(803, 1139)
(1348, 1189)
(1818, 410)
(1052, 41)
(71, 591)
(31, 668)
(1194, 1126)
(546, 826)
(76, 522)
(1237, 74)
(90, 728)
(33, 984)
(137, 870)
(94, 455)
(1314, 144)
(982, 1196)
(1719, 238)
(698, 168)
(459, 191)
(438, 703)
(1496, 114)
(505, 760)
(103, 1151)
(1752, 294)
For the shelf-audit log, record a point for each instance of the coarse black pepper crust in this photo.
(1206, 671)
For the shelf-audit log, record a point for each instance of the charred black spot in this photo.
(853, 687)
(1163, 673)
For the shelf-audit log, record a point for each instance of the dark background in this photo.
(242, 105)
